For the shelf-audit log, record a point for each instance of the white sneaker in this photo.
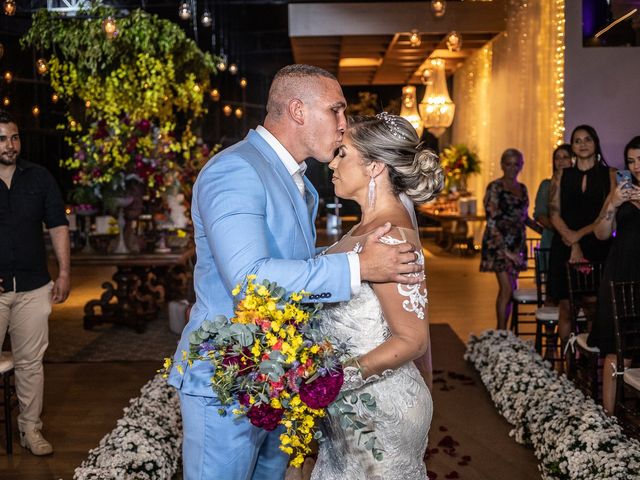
(35, 442)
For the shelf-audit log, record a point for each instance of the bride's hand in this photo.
(383, 263)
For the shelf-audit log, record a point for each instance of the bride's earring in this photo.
(371, 197)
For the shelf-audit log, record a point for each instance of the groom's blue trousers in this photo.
(226, 447)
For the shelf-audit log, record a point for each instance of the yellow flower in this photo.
(314, 349)
(236, 290)
(284, 439)
(296, 297)
(167, 363)
(275, 403)
(263, 291)
(287, 450)
(297, 461)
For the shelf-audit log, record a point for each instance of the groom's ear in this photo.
(295, 110)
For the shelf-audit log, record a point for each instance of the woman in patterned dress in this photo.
(504, 247)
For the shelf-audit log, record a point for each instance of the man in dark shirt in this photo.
(29, 196)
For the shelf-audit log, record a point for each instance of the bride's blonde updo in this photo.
(392, 140)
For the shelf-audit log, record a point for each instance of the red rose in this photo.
(265, 416)
(322, 391)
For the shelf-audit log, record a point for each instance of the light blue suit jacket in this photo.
(249, 218)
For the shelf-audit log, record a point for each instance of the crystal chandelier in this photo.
(409, 109)
(436, 108)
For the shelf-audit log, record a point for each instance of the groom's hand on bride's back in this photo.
(381, 262)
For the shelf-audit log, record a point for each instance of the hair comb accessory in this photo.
(391, 122)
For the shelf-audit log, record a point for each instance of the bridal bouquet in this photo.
(274, 362)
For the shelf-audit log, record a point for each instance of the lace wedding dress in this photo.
(404, 408)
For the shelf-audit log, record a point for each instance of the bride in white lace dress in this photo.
(381, 166)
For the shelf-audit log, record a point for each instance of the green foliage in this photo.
(149, 74)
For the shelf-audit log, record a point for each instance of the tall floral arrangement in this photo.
(458, 162)
(133, 95)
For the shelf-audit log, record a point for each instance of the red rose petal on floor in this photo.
(448, 442)
(444, 429)
(453, 474)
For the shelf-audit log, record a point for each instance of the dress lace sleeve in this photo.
(414, 296)
(404, 308)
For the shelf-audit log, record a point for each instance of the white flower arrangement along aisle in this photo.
(146, 443)
(572, 437)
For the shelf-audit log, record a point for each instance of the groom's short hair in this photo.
(290, 82)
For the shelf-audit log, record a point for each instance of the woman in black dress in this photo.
(621, 213)
(576, 198)
(504, 250)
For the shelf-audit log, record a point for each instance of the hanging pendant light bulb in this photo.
(436, 108)
(184, 11)
(215, 95)
(454, 41)
(55, 97)
(35, 110)
(227, 110)
(6, 101)
(222, 63)
(9, 7)
(233, 69)
(206, 19)
(438, 7)
(427, 77)
(8, 76)
(41, 66)
(243, 82)
(409, 109)
(414, 39)
(110, 28)
(238, 113)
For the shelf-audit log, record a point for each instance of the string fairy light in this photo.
(558, 61)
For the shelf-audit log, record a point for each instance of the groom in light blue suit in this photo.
(253, 213)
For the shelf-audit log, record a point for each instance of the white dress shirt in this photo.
(296, 170)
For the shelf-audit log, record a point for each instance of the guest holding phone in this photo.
(621, 213)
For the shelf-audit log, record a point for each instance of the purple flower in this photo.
(323, 390)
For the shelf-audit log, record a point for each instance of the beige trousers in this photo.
(26, 316)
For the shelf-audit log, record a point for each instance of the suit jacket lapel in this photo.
(299, 204)
(311, 196)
